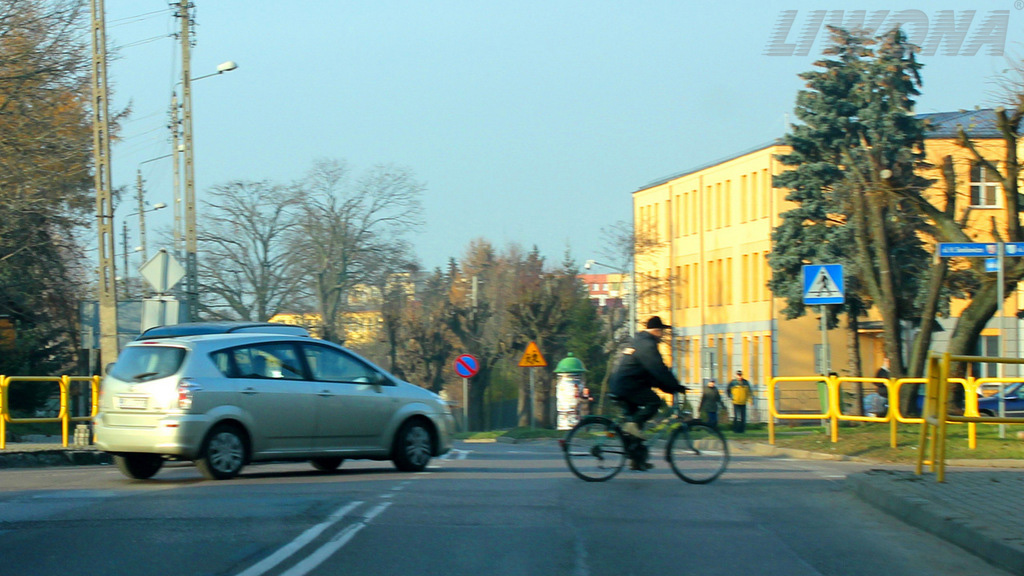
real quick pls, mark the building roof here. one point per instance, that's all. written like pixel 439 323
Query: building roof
pixel 978 124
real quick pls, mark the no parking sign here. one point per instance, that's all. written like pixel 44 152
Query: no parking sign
pixel 467 366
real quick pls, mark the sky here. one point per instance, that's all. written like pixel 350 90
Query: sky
pixel 529 121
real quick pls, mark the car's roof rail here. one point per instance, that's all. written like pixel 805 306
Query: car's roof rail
pixel 224 327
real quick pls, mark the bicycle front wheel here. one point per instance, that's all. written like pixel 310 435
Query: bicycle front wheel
pixel 595 449
pixel 697 453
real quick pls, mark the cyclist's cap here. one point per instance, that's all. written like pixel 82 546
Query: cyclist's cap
pixel 655 322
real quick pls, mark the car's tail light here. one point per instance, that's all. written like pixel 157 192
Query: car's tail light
pixel 186 393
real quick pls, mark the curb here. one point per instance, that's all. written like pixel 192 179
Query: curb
pixel 60 457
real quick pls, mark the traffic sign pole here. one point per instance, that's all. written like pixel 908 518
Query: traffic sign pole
pixel 466 365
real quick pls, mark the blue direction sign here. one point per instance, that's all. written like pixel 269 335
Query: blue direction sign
pixel 967 249
pixel 1013 249
pixel 823 284
pixel 466 366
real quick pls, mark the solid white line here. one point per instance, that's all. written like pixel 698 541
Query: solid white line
pixel 293 546
pixel 324 552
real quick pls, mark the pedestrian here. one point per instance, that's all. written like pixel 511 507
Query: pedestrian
pixel 883 370
pixel 738 391
pixel 711 405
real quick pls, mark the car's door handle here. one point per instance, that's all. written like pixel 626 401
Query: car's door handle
pixel 324 393
pixel 249 390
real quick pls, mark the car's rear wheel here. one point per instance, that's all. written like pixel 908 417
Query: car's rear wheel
pixel 139 466
pixel 326 464
pixel 223 454
pixel 414 445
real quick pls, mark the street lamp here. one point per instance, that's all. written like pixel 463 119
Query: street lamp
pixel 632 289
pixel 142 206
pixel 188 154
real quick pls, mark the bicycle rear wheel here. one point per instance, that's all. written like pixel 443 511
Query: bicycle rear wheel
pixel 697 453
pixel 595 449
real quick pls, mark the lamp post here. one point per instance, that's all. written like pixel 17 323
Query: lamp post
pixel 188 154
pixel 142 206
pixel 632 289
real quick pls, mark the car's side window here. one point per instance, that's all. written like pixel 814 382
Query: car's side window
pixel 330 365
pixel 278 361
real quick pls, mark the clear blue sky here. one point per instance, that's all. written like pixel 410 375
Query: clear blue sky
pixel 529 121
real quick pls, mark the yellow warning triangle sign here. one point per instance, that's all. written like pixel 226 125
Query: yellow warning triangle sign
pixel 532 358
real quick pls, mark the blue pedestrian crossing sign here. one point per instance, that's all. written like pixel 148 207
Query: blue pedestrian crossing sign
pixel 823 284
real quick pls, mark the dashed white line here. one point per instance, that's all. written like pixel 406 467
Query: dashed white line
pixel 325 551
pixel 292 547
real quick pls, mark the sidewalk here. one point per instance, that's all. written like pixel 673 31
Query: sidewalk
pixel 977 508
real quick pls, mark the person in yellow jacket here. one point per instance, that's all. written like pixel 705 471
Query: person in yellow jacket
pixel 738 391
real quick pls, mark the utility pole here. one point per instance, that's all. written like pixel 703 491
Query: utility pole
pixel 191 244
pixel 142 217
pixel 175 150
pixel 107 291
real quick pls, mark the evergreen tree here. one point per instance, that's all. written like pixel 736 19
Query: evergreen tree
pixel 854 157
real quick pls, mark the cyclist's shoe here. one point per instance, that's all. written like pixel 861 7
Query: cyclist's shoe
pixel 633 429
pixel 641 466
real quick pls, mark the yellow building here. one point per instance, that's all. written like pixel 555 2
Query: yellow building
pixel 706 268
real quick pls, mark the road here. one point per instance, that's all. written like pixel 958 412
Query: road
pixel 486 509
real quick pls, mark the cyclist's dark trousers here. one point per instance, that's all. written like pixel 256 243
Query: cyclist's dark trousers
pixel 641 405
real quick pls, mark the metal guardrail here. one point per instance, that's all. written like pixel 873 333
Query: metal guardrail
pixel 832 407
pixel 936 408
pixel 63 415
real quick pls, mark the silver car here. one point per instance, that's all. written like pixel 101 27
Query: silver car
pixel 226 394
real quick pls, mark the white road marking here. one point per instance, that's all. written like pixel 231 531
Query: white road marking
pixel 325 551
pixel 292 547
pixel 456 454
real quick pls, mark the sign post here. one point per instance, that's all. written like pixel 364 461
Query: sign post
pixel 532 359
pixel 162 272
pixel 466 366
pixel 823 284
pixel 988 249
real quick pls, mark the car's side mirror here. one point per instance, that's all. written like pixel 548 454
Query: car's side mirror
pixel 107 368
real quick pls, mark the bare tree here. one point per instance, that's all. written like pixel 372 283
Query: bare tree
pixel 248 270
pixel 346 227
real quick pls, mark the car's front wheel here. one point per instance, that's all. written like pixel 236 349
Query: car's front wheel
pixel 414 445
pixel 139 466
pixel 223 453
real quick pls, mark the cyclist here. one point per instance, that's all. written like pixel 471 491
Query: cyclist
pixel 640 370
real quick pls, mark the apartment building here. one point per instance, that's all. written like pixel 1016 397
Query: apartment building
pixel 708 271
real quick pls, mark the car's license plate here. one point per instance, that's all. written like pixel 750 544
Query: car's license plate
pixel 132 402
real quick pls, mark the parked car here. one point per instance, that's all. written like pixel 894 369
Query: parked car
pixel 1013 400
pixel 226 394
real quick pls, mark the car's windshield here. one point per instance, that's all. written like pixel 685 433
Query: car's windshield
pixel 141 363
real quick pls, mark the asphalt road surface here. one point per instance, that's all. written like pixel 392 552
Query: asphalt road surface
pixel 483 510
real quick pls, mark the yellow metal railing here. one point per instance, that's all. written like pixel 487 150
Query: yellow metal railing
pixel 833 410
pixel 936 409
pixel 63 415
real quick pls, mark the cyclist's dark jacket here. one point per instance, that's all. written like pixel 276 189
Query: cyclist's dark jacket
pixel 642 368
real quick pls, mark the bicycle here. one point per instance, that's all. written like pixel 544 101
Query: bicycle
pixel 596 448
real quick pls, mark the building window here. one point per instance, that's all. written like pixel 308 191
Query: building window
pixel 984 187
pixel 987 346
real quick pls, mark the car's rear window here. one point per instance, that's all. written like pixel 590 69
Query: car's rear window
pixel 141 363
